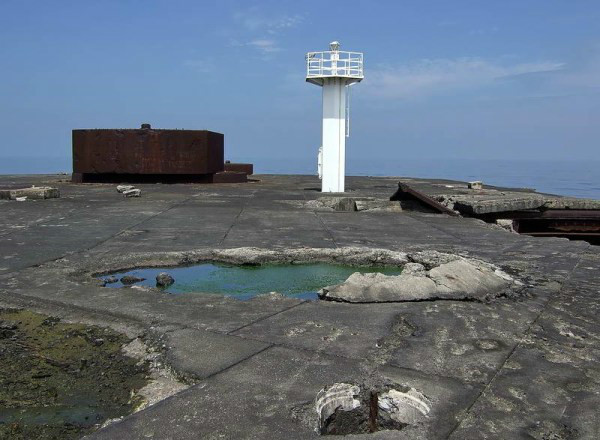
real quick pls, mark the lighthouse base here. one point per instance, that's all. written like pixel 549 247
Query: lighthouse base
pixel 334 135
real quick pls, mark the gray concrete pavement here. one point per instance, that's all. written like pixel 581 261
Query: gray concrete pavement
pixel 525 367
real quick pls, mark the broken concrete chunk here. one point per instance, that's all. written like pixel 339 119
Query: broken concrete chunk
pixel 33 193
pixel 408 407
pixel 21 199
pixel 506 224
pixel 131 279
pixel 431 259
pixel 344 204
pixel 475 185
pixel 376 287
pixel 476 205
pixel 163 279
pixel 378 205
pixel 458 279
pixel 123 188
pixel 132 193
pixel 414 269
pixel 464 278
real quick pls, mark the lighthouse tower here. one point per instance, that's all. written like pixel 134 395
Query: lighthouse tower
pixel 334 70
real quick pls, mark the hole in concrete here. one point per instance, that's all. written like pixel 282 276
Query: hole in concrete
pixel 246 281
pixel 347 409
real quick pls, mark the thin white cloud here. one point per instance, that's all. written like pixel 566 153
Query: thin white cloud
pixel 434 76
pixel 264 45
pixel 256 21
pixel 261 31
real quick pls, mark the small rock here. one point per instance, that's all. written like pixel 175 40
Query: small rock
pixel 163 279
pixel 7 325
pixel 506 224
pixel 131 279
pixel 414 269
pixel 345 204
pixel 133 193
pixel 123 188
pixel 51 321
pixel 111 280
pixel 21 199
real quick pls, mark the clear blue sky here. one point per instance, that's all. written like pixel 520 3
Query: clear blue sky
pixel 451 79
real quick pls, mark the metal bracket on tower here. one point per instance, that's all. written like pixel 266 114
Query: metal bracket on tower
pixel 348 110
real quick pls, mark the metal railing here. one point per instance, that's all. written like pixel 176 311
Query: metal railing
pixel 334 63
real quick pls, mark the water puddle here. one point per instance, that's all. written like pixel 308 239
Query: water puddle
pixel 244 282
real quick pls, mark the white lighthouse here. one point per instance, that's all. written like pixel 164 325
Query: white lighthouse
pixel 335 71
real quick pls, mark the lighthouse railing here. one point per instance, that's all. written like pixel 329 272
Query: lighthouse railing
pixel 334 63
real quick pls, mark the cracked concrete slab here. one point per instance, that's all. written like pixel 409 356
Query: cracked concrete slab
pixel 517 366
pixel 198 354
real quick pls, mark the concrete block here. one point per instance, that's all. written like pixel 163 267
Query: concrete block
pixel 33 193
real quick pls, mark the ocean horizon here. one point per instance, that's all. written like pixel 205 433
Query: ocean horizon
pixel 576 178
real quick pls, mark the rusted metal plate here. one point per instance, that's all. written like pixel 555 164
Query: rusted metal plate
pixel 147 151
pixel 572 214
pixel 406 192
pixel 247 168
pixel 229 177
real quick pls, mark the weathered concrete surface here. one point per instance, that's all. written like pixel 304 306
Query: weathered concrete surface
pixel 521 366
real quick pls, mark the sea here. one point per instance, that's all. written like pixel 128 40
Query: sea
pixel 575 178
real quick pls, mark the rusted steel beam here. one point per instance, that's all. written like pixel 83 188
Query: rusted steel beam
pixel 571 214
pixel 405 192
pixel 562 234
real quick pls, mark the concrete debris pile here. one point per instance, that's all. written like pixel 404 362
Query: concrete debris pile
pixel 129 191
pixel 460 279
pixel 529 212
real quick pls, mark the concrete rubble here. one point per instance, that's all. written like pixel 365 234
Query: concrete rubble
pixel 33 193
pixel 122 188
pixel 458 280
pixel 461 198
pixel 132 192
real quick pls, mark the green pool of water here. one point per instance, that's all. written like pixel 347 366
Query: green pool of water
pixel 244 282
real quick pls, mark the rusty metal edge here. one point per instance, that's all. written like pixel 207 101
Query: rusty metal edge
pixel 404 190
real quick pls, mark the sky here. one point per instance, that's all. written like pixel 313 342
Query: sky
pixel 443 79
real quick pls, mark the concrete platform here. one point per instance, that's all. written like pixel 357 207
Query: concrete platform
pixel 518 367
